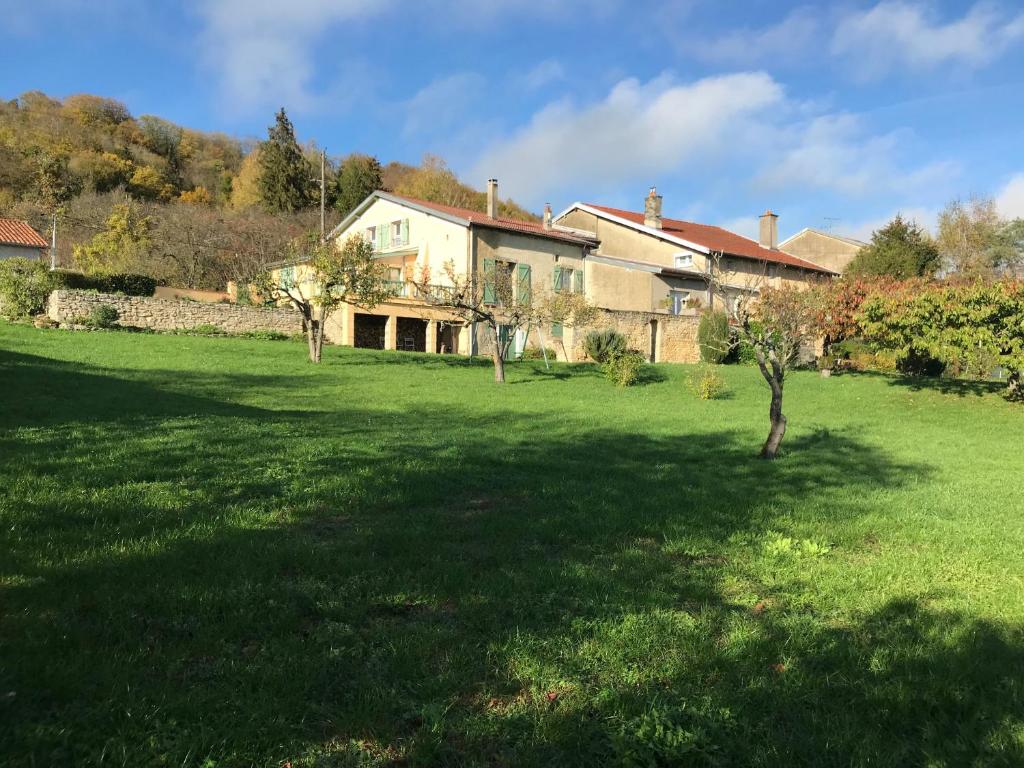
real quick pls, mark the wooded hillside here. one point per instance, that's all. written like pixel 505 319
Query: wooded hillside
pixel 191 208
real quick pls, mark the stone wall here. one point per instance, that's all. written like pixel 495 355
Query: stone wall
pixel 168 315
pixel 675 336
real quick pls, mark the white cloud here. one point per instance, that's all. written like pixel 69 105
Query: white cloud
pixel 836 152
pixel 1010 199
pixel 545 73
pixel 896 33
pixel 262 49
pixel 638 131
pixel 437 106
pixel 784 41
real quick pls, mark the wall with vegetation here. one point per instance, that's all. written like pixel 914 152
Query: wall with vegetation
pixel 169 315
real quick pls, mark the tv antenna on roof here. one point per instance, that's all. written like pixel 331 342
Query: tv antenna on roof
pixel 829 222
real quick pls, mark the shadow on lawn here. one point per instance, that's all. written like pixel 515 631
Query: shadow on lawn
pixel 255 585
pixel 942 384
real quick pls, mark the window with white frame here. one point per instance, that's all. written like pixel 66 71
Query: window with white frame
pixel 684 260
pixel 396 233
pixel 371 235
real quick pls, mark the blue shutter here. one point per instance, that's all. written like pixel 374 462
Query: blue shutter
pixel 488 281
pixel 556 330
pixel 558 278
pixel 578 275
pixel 405 231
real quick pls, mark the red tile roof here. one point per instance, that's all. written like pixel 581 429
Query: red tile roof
pixel 510 225
pixel 716 239
pixel 17 232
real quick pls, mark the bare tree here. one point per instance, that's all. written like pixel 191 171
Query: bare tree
pixel 332 277
pixel 502 298
pixel 776 323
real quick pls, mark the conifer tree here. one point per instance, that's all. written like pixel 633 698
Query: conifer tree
pixel 285 175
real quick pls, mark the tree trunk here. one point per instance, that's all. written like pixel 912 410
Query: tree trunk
pixel 1014 387
pixel 498 357
pixel 315 340
pixel 778 423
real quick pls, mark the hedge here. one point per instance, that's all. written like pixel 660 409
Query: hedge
pixel 127 283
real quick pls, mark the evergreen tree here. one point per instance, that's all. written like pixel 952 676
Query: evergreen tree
pixel 285 176
pixel 358 176
pixel 900 249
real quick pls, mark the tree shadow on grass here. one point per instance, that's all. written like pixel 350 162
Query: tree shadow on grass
pixel 942 384
pixel 252 585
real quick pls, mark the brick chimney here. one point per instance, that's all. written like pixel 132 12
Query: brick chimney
pixel 769 231
pixel 652 209
pixel 547 216
pixel 492 198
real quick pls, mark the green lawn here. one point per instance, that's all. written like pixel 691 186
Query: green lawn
pixel 213 553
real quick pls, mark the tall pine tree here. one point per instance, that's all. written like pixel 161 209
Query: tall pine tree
pixel 285 182
pixel 358 176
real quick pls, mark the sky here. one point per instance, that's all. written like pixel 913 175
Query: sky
pixel 834 115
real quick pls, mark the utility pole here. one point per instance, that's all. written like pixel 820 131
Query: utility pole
pixel 53 244
pixel 323 194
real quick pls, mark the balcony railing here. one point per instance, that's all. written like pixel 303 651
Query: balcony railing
pixel 402 289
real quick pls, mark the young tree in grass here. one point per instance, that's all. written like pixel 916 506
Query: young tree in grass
pixel 776 323
pixel 337 275
pixel 501 296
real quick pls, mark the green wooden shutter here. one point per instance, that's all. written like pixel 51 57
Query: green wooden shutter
pixel 556 330
pixel 405 231
pixel 578 276
pixel 558 278
pixel 525 289
pixel 488 281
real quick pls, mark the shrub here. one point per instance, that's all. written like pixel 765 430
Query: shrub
pixel 601 346
pixel 265 335
pixel 204 329
pixel 24 286
pixel 102 316
pixel 713 337
pixel 535 353
pixel 623 369
pixel 705 383
pixel 128 283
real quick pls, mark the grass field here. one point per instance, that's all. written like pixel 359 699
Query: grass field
pixel 213 553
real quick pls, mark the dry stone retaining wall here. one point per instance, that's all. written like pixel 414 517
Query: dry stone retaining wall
pixel 168 315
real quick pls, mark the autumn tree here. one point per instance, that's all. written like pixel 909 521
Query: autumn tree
pixel 970 237
pixel 502 298
pixel 285 179
pixel 348 274
pixel 358 177
pixel 124 245
pixel 900 249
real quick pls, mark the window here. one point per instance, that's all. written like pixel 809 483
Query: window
pixel 396 233
pixel 566 279
pixel 371 235
pixel 678 301
pixel 684 260
pixel 556 330
pixel 287 277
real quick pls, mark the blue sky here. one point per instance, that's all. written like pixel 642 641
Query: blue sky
pixel 834 114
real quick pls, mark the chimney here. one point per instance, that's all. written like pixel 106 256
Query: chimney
pixel 492 198
pixel 547 215
pixel 769 231
pixel 652 209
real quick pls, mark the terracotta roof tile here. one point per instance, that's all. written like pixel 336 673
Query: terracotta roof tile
pixel 17 232
pixel 510 225
pixel 716 239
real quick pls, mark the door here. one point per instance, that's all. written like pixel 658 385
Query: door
pixel 654 341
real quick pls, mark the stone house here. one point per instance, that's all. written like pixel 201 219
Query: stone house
pixel 647 275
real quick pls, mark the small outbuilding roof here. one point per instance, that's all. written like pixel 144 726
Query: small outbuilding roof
pixel 18 232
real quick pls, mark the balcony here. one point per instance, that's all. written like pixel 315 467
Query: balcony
pixel 402 289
